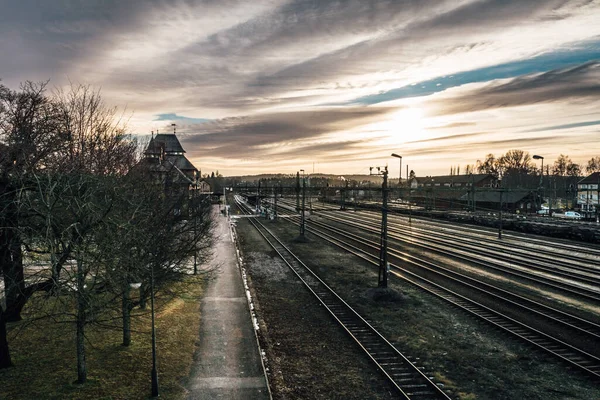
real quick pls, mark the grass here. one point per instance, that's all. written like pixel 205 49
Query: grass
pixel 44 355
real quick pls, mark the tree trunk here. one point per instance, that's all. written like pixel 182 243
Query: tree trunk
pixel 126 307
pixel 81 317
pixel 11 260
pixel 5 360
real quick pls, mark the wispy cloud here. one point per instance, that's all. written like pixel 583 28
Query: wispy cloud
pixel 180 118
pixel 293 80
pixel 569 84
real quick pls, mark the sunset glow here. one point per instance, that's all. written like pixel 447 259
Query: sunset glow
pixel 274 86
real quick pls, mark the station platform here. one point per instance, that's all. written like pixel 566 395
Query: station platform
pixel 227 364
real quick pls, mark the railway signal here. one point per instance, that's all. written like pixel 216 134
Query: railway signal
pixel 383 263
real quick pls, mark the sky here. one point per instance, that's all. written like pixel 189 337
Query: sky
pixel 276 86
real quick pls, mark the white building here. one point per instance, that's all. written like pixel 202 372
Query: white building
pixel 588 190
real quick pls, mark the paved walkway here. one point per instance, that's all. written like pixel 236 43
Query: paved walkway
pixel 227 364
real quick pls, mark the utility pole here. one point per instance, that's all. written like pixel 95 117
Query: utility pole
pixel 267 199
pixel 310 196
pixel 275 202
pixel 597 206
pixel 258 198
pixel 297 191
pixel 500 226
pixel 383 263
pixel 408 197
pixel 302 237
pixel 343 197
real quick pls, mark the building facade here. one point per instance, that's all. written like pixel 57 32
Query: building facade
pixel 165 164
pixel 588 194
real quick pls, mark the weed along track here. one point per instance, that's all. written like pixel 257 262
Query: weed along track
pixel 407 378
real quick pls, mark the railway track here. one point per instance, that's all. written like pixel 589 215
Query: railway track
pixel 437 225
pixel 409 380
pixel 572 355
pixel 479 241
pixel 582 283
pixel 557 243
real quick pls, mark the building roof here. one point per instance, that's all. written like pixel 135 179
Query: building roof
pixel 593 178
pixel 493 196
pixel 181 162
pixel 164 153
pixel 475 178
pixel 166 141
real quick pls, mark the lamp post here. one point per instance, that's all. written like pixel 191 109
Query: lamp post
pixel 541 185
pixel 154 372
pixel 500 222
pixel 302 217
pixel 399 173
pixel 194 210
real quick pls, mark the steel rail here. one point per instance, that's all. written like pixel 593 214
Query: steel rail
pixel 564 351
pixel 521 253
pixel 408 379
pixel 577 290
pixel 579 324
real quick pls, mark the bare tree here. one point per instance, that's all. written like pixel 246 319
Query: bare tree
pixel 517 161
pixel 147 232
pixel 574 170
pixel 489 166
pixel 560 165
pixel 97 142
pixel 37 134
pixel 28 136
pixel 593 165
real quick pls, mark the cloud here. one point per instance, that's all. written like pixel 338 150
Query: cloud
pixel 543 63
pixel 452 125
pixel 565 126
pixel 281 133
pixel 180 118
pixel 459 137
pixel 294 79
pixel 569 84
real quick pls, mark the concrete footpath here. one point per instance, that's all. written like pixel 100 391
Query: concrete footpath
pixel 227 364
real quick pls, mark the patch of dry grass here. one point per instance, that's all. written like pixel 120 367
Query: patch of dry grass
pixel 44 355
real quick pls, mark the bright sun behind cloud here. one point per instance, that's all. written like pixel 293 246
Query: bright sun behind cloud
pixel 406 124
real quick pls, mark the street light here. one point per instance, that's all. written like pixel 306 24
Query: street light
pixel 400 173
pixel 302 237
pixel 154 372
pixel 536 157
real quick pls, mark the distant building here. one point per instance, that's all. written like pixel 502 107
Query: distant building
pixel 164 154
pixel 588 193
pixel 524 201
pixel 448 191
pixel 454 181
pixel 165 163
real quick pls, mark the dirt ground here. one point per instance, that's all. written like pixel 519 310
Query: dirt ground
pixel 310 357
